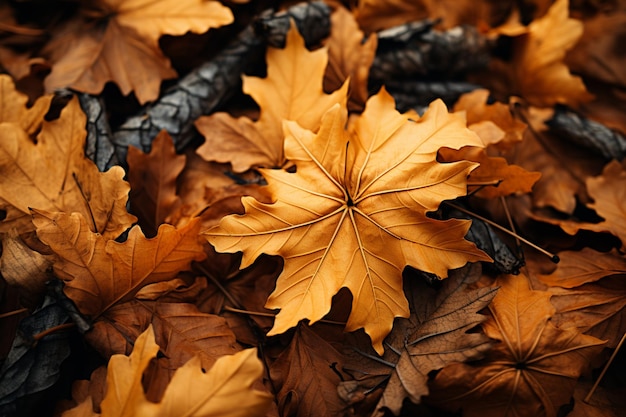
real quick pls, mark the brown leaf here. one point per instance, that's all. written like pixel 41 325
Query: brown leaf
pixel 531 372
pixel 52 174
pixel 120 44
pixel 350 55
pixel 292 90
pixel 152 179
pixel 100 273
pixel 304 377
pixel 13 107
pixel 585 266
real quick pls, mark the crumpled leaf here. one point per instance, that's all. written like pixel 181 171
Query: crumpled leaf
pixel 152 179
pixel 223 390
pixel 87 54
pixel 53 174
pixel 350 54
pixel 100 273
pixel 435 335
pixel 292 90
pixel 354 214
pixel 304 377
pixel 531 372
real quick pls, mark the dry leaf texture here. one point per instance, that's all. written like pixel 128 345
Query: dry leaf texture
pixel 354 214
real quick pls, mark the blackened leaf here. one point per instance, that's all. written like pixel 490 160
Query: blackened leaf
pixel 33 365
pixel 98 145
pixel 594 136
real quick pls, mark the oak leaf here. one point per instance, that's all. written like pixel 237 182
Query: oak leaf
pixel 354 214
pixel 86 55
pixel 531 372
pixel 13 107
pixel 53 174
pixel 100 273
pixel 292 90
pixel 152 179
pixel 225 388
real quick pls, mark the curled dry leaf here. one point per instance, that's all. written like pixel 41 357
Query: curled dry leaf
pixel 86 55
pixel 191 392
pixel 100 273
pixel 52 173
pixel 292 90
pixel 531 372
pixel 354 214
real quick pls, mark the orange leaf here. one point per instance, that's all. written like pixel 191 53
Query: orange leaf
pixel 100 273
pixel 292 90
pixel 52 174
pixel 152 178
pixel 354 214
pixel 531 372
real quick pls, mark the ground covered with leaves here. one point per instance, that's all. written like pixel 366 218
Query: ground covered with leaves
pixel 357 208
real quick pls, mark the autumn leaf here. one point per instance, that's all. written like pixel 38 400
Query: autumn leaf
pixel 191 392
pixel 537 69
pixel 152 178
pixel 589 293
pixel 436 334
pixel 100 273
pixel 120 43
pixel 13 107
pixel 354 214
pixel 292 90
pixel 350 55
pixel 531 372
pixel 52 174
pixel 304 376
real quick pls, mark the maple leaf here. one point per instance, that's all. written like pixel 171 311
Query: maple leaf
pixel 589 294
pixel 292 90
pixel 349 57
pixel 13 107
pixel 531 372
pixel 537 70
pixel 53 174
pixel 87 55
pixel 191 392
pixel 305 378
pixel 435 335
pixel 152 179
pixel 354 214
pixel 99 272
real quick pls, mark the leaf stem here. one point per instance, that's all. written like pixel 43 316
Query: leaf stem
pixel 259 313
pixel 60 327
pixel 13 313
pixel 553 257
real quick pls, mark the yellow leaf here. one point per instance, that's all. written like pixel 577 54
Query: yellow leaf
pixel 225 390
pixel 292 90
pixel 354 214
pixel 53 174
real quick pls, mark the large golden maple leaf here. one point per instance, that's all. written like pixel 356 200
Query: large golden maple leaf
pixel 354 214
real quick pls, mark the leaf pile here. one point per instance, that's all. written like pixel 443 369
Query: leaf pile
pixel 355 223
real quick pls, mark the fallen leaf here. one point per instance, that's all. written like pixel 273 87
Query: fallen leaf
pixel 589 293
pixel 354 214
pixel 304 376
pixel 192 392
pixel 52 174
pixel 292 90
pixel 152 179
pixel 537 69
pixel 13 107
pixel 88 53
pixel 350 55
pixel 100 273
pixel 531 372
